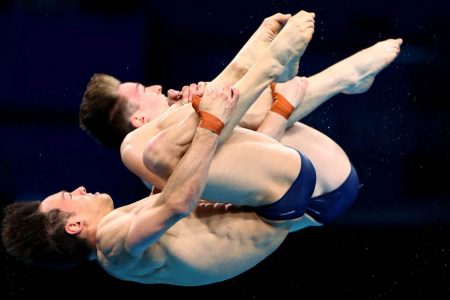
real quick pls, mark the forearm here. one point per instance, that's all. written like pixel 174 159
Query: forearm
pixel 166 149
pixel 179 197
pixel 185 185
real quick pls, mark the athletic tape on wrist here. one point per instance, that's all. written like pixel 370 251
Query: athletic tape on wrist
pixel 207 120
pixel 280 105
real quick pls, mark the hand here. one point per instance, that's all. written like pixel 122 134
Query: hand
pixel 173 96
pixel 187 92
pixel 219 102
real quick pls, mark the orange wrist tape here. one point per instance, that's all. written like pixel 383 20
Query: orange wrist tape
pixel 280 105
pixel 210 122
pixel 207 120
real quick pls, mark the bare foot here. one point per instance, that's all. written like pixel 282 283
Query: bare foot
pixel 293 90
pixel 290 44
pixel 361 68
pixel 260 40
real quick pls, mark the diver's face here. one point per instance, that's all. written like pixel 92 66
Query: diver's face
pixel 151 102
pixel 80 202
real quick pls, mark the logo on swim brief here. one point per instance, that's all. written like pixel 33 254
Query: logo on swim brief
pixel 287 213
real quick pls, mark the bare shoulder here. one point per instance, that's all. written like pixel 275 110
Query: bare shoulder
pixel 135 141
pixel 111 234
pixel 114 227
pixel 112 253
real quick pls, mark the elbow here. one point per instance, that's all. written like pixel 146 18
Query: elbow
pixel 181 210
pixel 183 202
pixel 183 213
pixel 149 157
pixel 157 161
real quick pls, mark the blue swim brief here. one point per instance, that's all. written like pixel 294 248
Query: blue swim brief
pixel 294 203
pixel 297 201
pixel 327 207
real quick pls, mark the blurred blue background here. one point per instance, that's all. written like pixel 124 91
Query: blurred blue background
pixel 394 242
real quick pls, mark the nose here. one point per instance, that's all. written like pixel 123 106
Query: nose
pixel 156 88
pixel 79 191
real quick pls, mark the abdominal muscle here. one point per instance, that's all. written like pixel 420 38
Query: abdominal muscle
pixel 212 244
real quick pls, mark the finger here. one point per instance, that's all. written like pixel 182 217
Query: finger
pixel 185 94
pixel 192 91
pixel 173 94
pixel 201 88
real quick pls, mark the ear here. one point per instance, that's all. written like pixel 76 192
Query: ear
pixel 137 119
pixel 74 226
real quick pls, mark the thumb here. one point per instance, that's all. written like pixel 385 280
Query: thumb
pixel 173 93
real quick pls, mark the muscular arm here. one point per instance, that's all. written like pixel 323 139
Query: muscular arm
pixel 166 149
pixel 179 197
pixel 187 182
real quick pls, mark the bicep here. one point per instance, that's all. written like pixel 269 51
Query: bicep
pixel 162 154
pixel 132 158
pixel 165 150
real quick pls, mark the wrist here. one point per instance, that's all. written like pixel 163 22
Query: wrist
pixel 207 120
pixel 206 136
pixel 210 122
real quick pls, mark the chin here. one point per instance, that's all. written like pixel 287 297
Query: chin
pixel 108 201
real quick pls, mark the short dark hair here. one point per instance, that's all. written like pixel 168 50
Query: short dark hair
pixel 104 113
pixel 39 238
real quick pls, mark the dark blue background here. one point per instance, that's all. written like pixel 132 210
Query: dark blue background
pixel 394 242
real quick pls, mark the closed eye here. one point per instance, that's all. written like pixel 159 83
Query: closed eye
pixel 64 193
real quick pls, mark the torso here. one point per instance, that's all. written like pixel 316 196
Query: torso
pixel 212 244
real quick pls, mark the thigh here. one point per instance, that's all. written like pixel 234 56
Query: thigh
pixel 251 169
pixel 329 159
